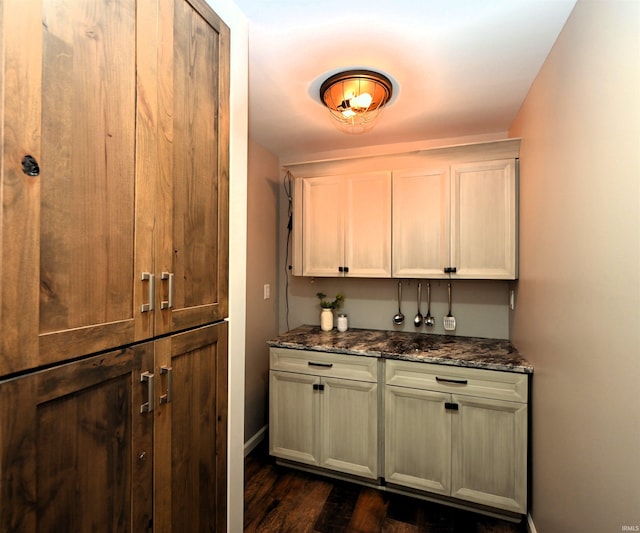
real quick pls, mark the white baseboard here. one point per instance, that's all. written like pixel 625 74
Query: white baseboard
pixel 530 527
pixel 255 440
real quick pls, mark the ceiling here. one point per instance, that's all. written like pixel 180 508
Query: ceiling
pixel 460 68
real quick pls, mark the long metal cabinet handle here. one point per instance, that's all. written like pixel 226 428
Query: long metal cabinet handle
pixel 148 276
pixel 166 398
pixel 148 377
pixel 168 303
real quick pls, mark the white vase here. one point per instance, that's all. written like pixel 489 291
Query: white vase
pixel 326 319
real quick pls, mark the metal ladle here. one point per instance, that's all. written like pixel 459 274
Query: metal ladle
pixel 428 319
pixel 417 321
pixel 399 317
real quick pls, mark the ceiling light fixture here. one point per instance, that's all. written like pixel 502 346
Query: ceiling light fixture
pixel 356 98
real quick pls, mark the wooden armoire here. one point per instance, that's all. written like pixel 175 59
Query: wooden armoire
pixel 113 265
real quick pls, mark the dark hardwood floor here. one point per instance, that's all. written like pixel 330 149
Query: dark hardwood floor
pixel 280 499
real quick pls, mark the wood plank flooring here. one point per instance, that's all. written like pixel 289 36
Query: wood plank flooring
pixel 280 499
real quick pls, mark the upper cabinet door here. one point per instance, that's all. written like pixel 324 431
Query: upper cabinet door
pixel 484 220
pixel 421 222
pixel 368 225
pixel 69 123
pixel 192 199
pixel 322 226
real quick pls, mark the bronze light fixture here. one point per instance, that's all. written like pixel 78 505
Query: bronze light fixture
pixel 355 98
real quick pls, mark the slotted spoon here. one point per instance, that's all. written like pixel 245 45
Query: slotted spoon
pixel 449 320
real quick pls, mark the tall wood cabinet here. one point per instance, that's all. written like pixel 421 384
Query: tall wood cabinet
pixel 113 232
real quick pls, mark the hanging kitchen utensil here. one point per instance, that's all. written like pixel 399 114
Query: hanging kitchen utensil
pixel 428 319
pixel 417 321
pixel 399 317
pixel 449 320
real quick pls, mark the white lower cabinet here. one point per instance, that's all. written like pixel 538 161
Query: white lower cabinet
pixel 323 410
pixel 457 432
pixel 452 432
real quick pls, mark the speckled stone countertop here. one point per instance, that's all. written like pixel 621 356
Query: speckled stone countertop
pixel 474 352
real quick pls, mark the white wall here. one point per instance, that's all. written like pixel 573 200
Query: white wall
pixel 262 264
pixel 578 308
pixel 236 21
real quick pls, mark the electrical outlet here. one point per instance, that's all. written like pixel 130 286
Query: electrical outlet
pixel 267 291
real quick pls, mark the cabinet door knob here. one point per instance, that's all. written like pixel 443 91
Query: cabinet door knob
pixel 30 166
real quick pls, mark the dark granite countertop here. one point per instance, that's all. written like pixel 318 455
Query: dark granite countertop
pixel 473 352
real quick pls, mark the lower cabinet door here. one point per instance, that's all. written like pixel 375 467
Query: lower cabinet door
pixel 418 439
pixel 293 416
pixel 190 431
pixel 349 427
pixel 489 454
pixel 76 450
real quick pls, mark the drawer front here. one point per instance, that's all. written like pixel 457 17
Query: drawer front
pixel 459 380
pixel 335 365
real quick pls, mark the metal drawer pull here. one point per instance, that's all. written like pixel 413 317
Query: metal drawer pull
pixel 448 380
pixel 166 398
pixel 322 365
pixel 148 276
pixel 168 303
pixel 147 406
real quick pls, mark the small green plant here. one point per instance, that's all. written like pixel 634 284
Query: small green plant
pixel 326 304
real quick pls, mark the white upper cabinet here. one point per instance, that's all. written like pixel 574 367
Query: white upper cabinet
pixel 484 220
pixel 458 221
pixel 440 213
pixel 346 225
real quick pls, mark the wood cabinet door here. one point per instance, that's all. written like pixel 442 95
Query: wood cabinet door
pixel 192 217
pixel 190 432
pixel 484 220
pixel 294 412
pixel 421 210
pixel 417 439
pixel 76 452
pixel 68 242
pixel 368 225
pixel 323 226
pixel 489 463
pixel 349 427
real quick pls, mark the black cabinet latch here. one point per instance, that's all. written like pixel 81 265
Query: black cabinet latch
pixel 450 270
pixel 451 406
